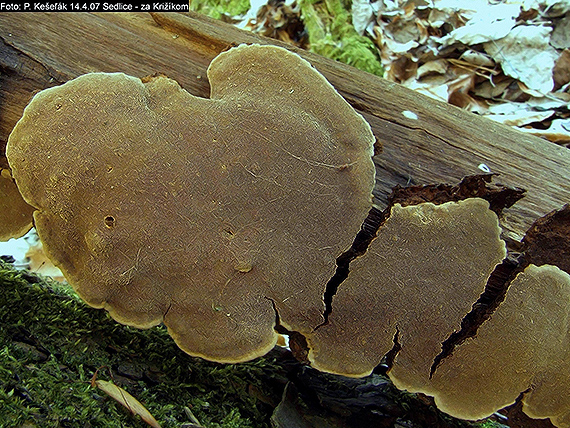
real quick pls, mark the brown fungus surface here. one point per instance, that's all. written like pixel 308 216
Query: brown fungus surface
pixel 415 285
pixel 207 214
pixel 222 217
pixel 427 266
pixel 523 346
pixel 15 213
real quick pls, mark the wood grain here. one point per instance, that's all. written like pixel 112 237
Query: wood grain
pixel 442 145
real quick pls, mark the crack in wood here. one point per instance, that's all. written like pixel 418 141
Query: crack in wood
pixel 359 246
pixel 498 196
pixel 12 61
pixel 546 234
pixel 495 291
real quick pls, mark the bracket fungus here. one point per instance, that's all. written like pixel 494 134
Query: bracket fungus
pixel 232 217
pixel 15 214
pixel 522 348
pixel 427 265
pixel 215 216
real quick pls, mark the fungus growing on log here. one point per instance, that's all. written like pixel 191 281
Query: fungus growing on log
pixel 523 346
pixel 15 214
pixel 215 216
pixel 428 265
pixel 233 217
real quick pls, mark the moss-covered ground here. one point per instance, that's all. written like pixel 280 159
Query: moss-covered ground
pixel 51 344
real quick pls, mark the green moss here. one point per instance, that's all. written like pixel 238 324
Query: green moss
pixel 328 24
pixel 217 8
pixel 490 424
pixel 332 34
pixel 51 344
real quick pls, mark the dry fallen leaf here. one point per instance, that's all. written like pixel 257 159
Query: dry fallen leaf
pixel 362 15
pixel 127 400
pixel 558 132
pixel 489 22
pixel 526 55
pixel 560 38
pixel 516 114
pixel 561 71
pixel 515 51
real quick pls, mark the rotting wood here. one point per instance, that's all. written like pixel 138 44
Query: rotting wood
pixel 442 145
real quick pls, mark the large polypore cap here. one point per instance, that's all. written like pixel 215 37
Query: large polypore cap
pixel 207 214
